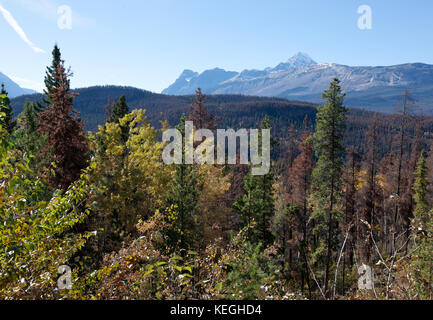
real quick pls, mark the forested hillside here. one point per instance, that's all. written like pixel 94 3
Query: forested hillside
pixel 345 211
pixel 92 102
pixel 234 111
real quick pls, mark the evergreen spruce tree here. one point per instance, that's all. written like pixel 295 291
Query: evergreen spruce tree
pixel 326 193
pixel 28 116
pixel 5 107
pixel 257 204
pixel 27 138
pixel 420 188
pixel 120 110
pixel 182 200
pixel 422 258
pixel 248 205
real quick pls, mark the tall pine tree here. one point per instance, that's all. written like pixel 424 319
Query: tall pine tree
pixel 422 258
pixel 257 204
pixel 182 200
pixel 327 175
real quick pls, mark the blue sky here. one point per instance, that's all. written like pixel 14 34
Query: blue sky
pixel 148 43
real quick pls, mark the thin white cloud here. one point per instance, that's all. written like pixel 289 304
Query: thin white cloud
pixel 14 24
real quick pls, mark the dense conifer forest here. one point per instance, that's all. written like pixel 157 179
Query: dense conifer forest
pixel 88 209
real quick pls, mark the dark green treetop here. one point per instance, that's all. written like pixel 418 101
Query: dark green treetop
pixel 6 108
pixel 51 80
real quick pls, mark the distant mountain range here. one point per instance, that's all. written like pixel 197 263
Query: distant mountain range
pixel 13 89
pixel 301 78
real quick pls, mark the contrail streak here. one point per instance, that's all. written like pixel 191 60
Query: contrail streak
pixel 14 24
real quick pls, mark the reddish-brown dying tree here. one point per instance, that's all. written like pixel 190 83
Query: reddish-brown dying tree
pixel 199 114
pixel 299 178
pixel 66 142
pixel 404 111
pixel 292 143
pixel 299 174
pixel 369 202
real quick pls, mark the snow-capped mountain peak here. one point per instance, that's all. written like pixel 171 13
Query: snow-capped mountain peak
pixel 301 78
pixel 299 60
